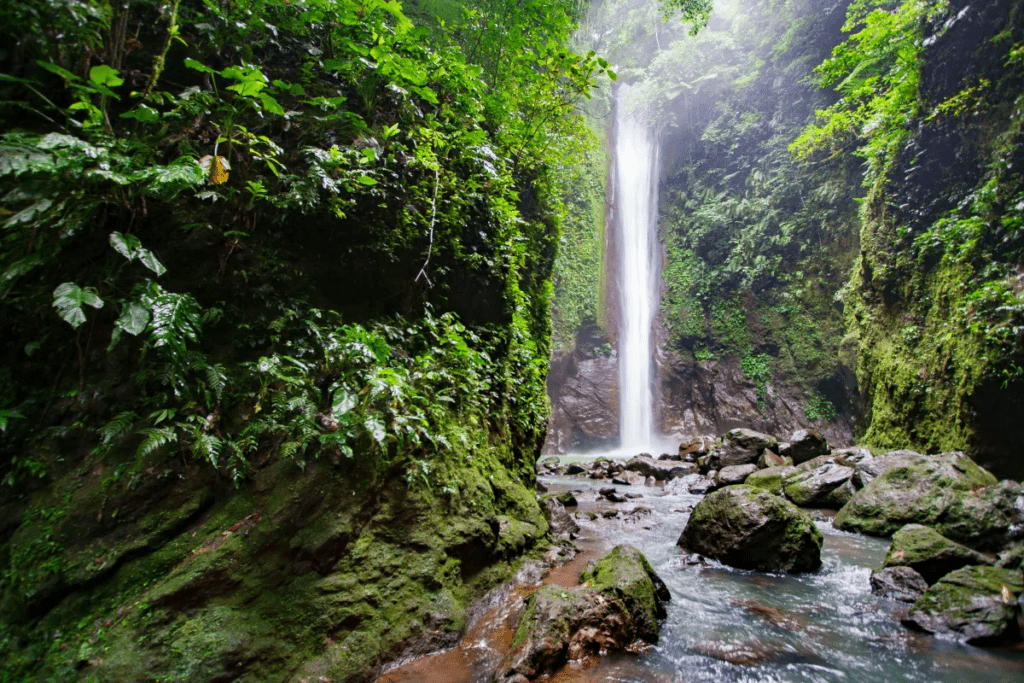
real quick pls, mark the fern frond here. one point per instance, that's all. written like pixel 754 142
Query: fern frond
pixel 118 427
pixel 176 320
pixel 207 446
pixel 156 438
pixel 217 379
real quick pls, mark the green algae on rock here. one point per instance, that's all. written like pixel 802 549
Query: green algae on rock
pixel 618 602
pixel 752 529
pixel 929 553
pixel 973 604
pixel 947 492
pixel 770 478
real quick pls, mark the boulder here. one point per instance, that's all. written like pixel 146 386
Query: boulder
pixel 771 459
pixel 734 474
pixel 811 488
pixel 947 492
pixel 752 529
pixel 740 447
pixel 898 583
pixel 561 524
pixel 689 451
pixel 973 604
pixel 618 602
pixel 841 496
pixel 806 444
pixel 872 467
pixel 576 468
pixel 662 470
pixel 1012 558
pixel 770 479
pixel 929 553
pixel 853 456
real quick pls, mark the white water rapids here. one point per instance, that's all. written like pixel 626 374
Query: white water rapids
pixel 636 162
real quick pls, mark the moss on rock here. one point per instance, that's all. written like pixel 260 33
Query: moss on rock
pixel 974 604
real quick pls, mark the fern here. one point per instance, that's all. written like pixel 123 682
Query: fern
pixel 156 438
pixel 118 427
pixel 207 446
pixel 176 320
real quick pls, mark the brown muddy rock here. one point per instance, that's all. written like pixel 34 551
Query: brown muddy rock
pixel 584 392
pixel 812 488
pixel 690 450
pixel 805 444
pixel 976 605
pixel 734 475
pixel 662 470
pixel 771 459
pixel 618 602
pixel 749 528
pixel 902 584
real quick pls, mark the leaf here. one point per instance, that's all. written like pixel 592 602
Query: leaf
pixel 69 298
pixel 150 261
pixel 176 320
pixel 217 167
pixel 118 427
pixel 376 428
pixel 271 105
pixel 366 180
pixel 53 68
pixel 134 318
pixel 125 245
pixel 199 66
pixel 142 114
pixel 105 76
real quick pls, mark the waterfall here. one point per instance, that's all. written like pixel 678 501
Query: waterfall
pixel 636 160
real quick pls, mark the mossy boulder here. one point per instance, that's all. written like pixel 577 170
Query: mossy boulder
pixel 769 458
pixel 973 604
pixel 947 492
pixel 618 602
pixel 898 583
pixel 812 488
pixel 750 528
pixel 870 468
pixel 770 479
pixel 929 553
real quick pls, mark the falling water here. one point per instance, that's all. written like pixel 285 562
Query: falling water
pixel 636 159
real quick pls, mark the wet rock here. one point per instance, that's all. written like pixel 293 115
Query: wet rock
pixel 841 496
pixel 633 496
pixel 770 479
pixel 929 553
pixel 567 499
pixel 689 451
pixel 812 488
pixel 539 485
pixel 752 529
pixel 806 444
pixel 772 615
pixel 650 481
pixel 576 468
pixel 681 485
pixel 974 604
pixel 1012 558
pixel 873 467
pixel 898 583
pixel 740 447
pixel 549 463
pixel 853 456
pixel 560 523
pixel 611 495
pixel 947 492
pixel 584 408
pixel 734 474
pixel 771 459
pixel 618 602
pixel 741 653
pixel 662 470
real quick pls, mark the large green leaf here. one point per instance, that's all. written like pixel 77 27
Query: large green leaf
pixel 69 298
pixel 134 318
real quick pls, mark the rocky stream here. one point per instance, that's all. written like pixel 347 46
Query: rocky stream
pixel 750 559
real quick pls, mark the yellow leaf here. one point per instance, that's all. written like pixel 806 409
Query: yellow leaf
pixel 217 167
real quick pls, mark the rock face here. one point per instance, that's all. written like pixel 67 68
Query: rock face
pixel 898 583
pixel 618 602
pixel 584 392
pixel 973 604
pixel 947 492
pixel 929 553
pixel 712 397
pixel 752 529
